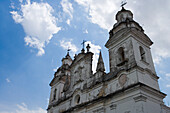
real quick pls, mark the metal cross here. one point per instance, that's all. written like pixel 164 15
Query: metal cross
pixel 123 3
pixel 83 43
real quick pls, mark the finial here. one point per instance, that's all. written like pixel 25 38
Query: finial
pixel 123 3
pixel 75 55
pixel 68 50
pixel 83 46
pixel 88 47
pixel 82 51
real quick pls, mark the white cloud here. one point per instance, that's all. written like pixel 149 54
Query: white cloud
pixel 168 85
pixel 86 31
pixel 68 9
pixel 68 21
pixel 100 12
pixel 38 23
pixel 24 109
pixel 167 74
pixel 20 1
pixel 12 5
pixel 65 44
pixel 16 17
pixel 7 80
pixel 94 49
pixel 55 69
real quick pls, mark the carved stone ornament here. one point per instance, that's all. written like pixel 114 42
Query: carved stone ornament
pixel 122 79
pixel 140 98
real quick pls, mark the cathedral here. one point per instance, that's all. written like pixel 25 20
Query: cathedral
pixel 131 85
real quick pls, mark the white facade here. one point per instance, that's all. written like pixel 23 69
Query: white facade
pixel 131 86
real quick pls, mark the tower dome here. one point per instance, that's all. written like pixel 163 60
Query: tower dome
pixel 67 59
pixel 124 15
pixel 124 20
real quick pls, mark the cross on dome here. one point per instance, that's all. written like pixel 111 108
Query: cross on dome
pixel 83 46
pixel 123 3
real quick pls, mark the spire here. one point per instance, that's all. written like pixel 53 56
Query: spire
pixel 100 64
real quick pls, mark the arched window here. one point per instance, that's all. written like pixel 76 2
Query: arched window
pixel 121 54
pixel 77 99
pixel 142 54
pixel 54 94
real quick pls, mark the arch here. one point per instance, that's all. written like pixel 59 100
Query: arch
pixel 121 54
pixel 142 53
pixel 77 99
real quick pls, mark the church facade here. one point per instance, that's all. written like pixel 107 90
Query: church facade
pixel 131 86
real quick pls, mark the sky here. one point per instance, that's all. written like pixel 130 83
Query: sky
pixel 35 36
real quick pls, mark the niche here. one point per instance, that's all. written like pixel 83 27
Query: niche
pixel 54 94
pixel 77 99
pixel 142 54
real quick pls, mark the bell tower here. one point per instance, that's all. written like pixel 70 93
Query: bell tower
pixel 129 49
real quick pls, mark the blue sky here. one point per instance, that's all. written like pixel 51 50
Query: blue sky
pixel 35 35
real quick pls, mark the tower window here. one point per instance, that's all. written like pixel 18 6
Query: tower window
pixel 121 60
pixel 142 54
pixel 121 54
pixel 54 94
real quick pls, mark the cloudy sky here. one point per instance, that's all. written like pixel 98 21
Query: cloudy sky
pixel 35 36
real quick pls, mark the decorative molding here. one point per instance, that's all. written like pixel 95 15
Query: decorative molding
pixel 140 98
pixel 100 110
